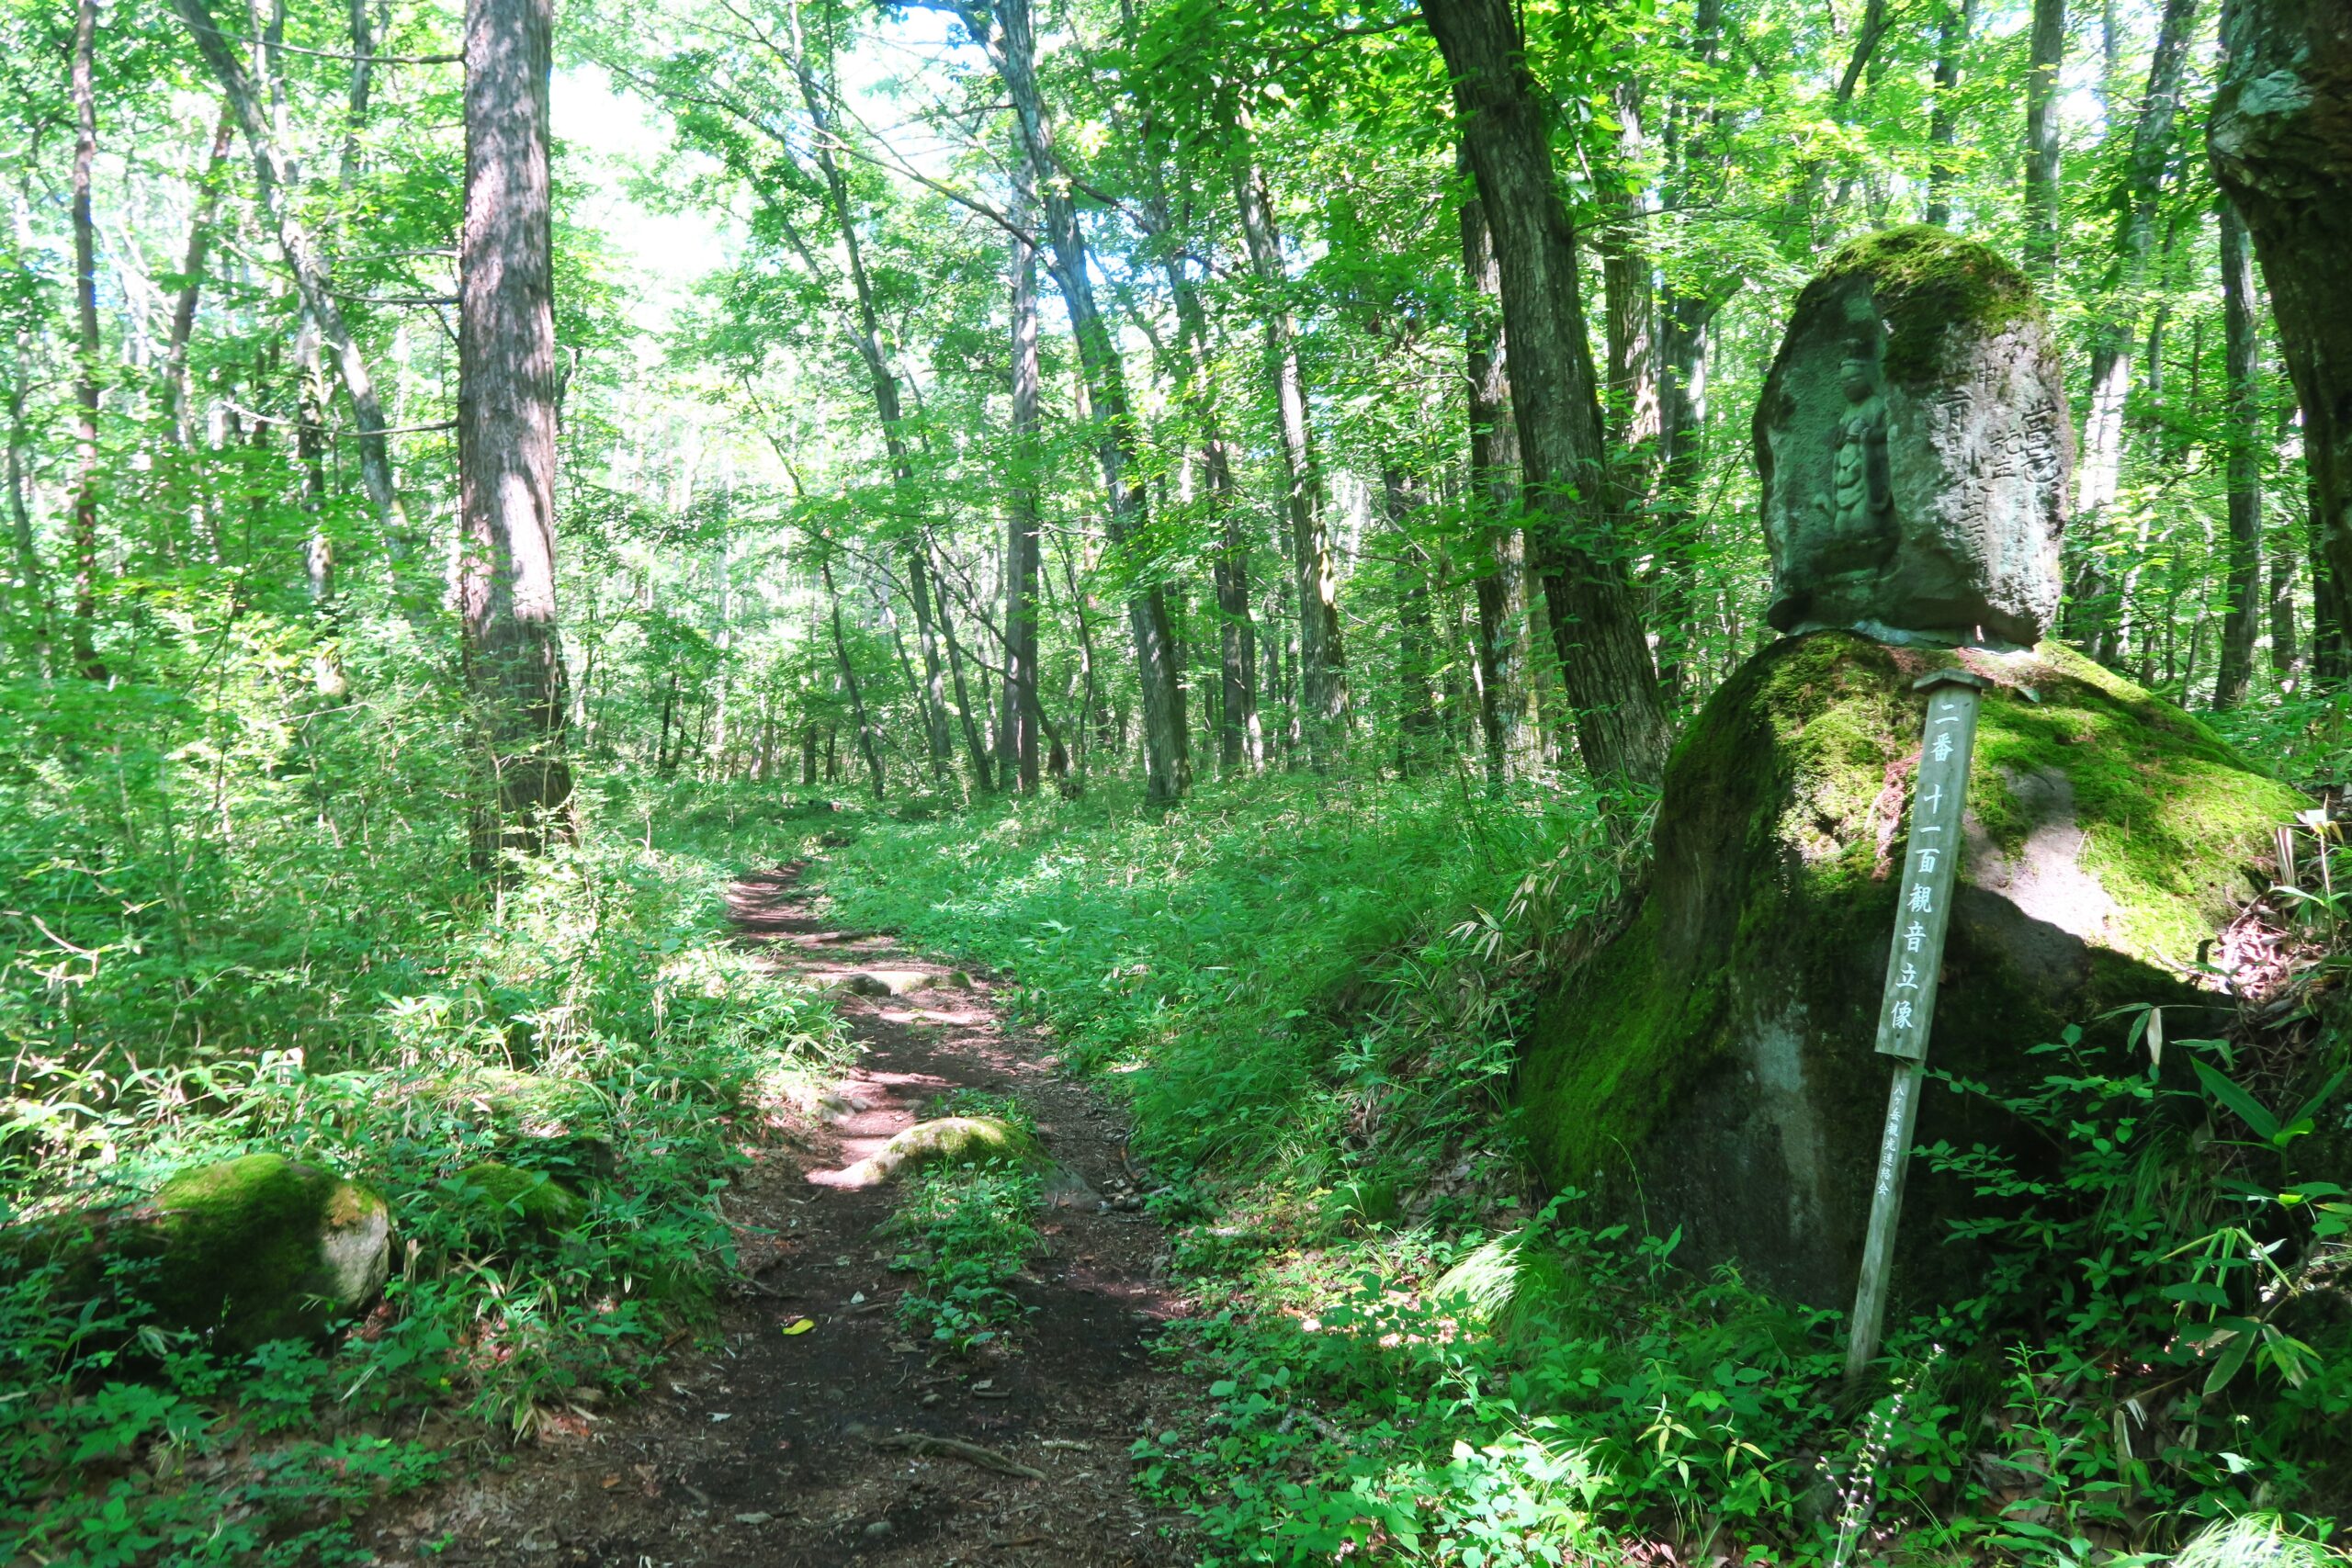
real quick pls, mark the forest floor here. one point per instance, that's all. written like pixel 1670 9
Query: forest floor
pixel 807 1450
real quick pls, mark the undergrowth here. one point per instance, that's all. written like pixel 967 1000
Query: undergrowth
pixel 1310 994
pixel 591 1022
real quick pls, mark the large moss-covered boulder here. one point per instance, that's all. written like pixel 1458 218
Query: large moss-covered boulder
pixel 507 1197
pixel 1713 1067
pixel 260 1247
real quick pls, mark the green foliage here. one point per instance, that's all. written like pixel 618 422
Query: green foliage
pixel 969 1229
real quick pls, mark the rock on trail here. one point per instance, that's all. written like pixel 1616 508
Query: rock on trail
pixel 848 1442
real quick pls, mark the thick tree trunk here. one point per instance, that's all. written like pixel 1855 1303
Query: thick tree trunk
pixel 1322 666
pixel 506 430
pixel 1016 747
pixel 1604 660
pixel 87 348
pixel 2243 420
pixel 2280 137
pixel 271 178
pixel 1166 766
pixel 2097 618
pixel 2046 60
pixel 1501 587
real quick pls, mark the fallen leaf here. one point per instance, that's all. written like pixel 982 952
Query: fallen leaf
pixel 753 1519
pixel 800 1326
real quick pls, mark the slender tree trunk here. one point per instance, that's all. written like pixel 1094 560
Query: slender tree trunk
pixel 2282 156
pixel 1952 31
pixel 1417 638
pixel 1501 584
pixel 1322 666
pixel 1167 768
pixel 932 694
pixel 506 430
pixel 87 348
pixel 1017 722
pixel 2243 420
pixel 866 742
pixel 199 248
pixel 2046 60
pixel 272 176
pixel 1604 660
pixel 2096 618
pixel 976 748
pixel 318 552
pixel 32 584
pixel 1633 395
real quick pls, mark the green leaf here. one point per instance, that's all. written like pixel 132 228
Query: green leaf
pixel 2248 1108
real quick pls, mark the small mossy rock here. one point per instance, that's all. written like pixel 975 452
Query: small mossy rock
pixel 261 1248
pixel 1712 1065
pixel 509 1195
pixel 883 982
pixel 1504 1288
pixel 949 1140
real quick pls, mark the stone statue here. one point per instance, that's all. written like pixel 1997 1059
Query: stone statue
pixel 1913 444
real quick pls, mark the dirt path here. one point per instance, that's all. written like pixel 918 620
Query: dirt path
pixel 791 1451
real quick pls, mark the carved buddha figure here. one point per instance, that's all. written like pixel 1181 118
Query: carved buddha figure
pixel 1856 515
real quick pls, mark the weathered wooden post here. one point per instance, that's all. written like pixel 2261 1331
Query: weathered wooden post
pixel 1914 966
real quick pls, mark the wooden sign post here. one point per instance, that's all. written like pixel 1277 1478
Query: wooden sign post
pixel 1922 911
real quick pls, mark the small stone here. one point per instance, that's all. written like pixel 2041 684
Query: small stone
pixel 878 1529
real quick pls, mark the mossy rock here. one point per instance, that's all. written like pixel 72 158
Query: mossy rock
pixel 883 982
pixel 949 1140
pixel 260 1247
pixel 1713 1067
pixel 508 1195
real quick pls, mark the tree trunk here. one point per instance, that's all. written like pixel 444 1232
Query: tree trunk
pixel 272 173
pixel 2243 420
pixel 2095 619
pixel 1322 667
pixel 2046 60
pixel 1632 399
pixel 2283 155
pixel 1605 661
pixel 1416 638
pixel 865 739
pixel 1501 586
pixel 318 552
pixel 87 349
pixel 1167 768
pixel 32 584
pixel 506 454
pixel 976 746
pixel 199 248
pixel 1016 747
pixel 1952 30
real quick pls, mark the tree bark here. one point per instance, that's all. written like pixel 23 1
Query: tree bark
pixel 2281 139
pixel 87 348
pixel 1632 395
pixel 1166 766
pixel 506 430
pixel 1017 719
pixel 1605 661
pixel 272 176
pixel 199 249
pixel 1322 666
pixel 1501 586
pixel 2243 420
pixel 865 746
pixel 2046 60
pixel 1416 640
pixel 1952 31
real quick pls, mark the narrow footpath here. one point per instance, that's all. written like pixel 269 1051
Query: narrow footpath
pixel 826 1446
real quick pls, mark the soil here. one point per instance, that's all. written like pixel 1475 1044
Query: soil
pixel 803 1450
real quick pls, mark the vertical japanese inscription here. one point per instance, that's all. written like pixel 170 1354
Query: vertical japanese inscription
pixel 1923 907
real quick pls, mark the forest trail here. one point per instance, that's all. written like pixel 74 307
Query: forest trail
pixel 795 1451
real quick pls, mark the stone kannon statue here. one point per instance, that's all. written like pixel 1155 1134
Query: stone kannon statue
pixel 1914 444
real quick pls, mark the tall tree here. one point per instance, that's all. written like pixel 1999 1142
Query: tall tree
pixel 1604 658
pixel 86 366
pixel 1952 31
pixel 1003 27
pixel 506 429
pixel 1501 588
pixel 2116 323
pixel 1016 747
pixel 2045 60
pixel 2280 140
pixel 2243 422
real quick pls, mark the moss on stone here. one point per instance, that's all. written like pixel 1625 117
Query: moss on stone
pixel 262 1246
pixel 948 1140
pixel 1925 281
pixel 1752 970
pixel 509 1193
